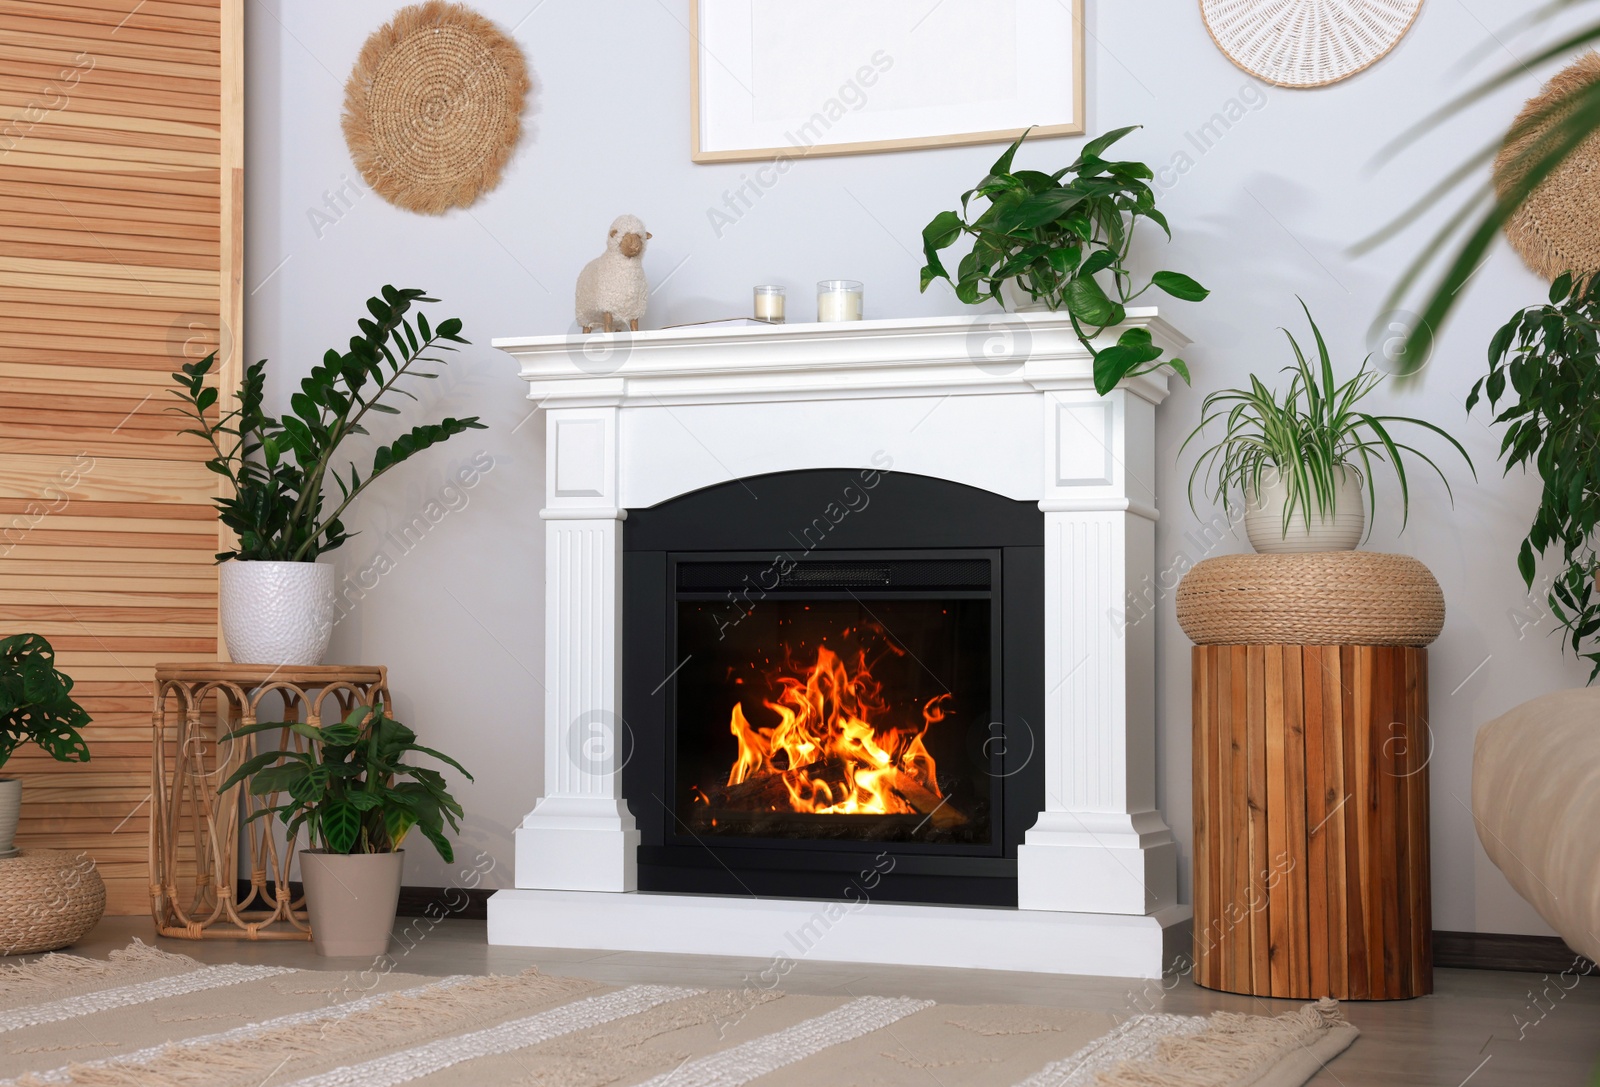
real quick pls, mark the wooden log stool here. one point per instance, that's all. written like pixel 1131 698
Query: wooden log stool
pixel 195 831
pixel 1311 749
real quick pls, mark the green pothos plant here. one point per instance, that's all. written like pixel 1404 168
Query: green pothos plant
pixel 1545 363
pixel 279 467
pixel 1064 239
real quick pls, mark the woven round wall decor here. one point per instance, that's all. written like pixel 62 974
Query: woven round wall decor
pixel 433 107
pixel 1307 43
pixel 1557 229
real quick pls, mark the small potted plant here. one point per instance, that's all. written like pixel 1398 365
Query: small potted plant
pixel 1062 240
pixel 277 601
pixel 357 800
pixel 36 706
pixel 1301 463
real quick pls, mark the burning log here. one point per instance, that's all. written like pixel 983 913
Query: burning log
pixel 928 803
pixel 825 756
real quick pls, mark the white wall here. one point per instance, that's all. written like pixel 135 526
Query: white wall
pixel 1267 212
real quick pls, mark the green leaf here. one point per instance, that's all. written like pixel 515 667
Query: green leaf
pixel 397 822
pixel 1002 165
pixel 1096 147
pixel 1098 261
pixel 1180 286
pixel 1037 210
pixel 1087 301
pixel 340 735
pixel 341 825
pixel 941 232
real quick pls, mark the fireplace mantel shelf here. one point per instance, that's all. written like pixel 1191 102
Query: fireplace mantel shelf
pixel 987 354
pixel 1003 403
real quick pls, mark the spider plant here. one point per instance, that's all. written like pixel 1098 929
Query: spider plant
pixel 1307 437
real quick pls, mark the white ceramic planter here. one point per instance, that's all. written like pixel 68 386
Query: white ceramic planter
pixel 351 900
pixel 10 806
pixel 1016 299
pixel 278 613
pixel 1339 531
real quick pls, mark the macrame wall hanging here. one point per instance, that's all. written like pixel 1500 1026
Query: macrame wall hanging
pixel 433 108
pixel 1307 43
pixel 1557 229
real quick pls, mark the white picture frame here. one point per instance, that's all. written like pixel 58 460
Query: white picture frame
pixel 773 79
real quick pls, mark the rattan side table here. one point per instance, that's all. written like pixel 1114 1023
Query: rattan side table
pixel 195 832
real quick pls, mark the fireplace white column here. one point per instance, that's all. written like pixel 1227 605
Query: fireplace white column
pixel 1100 845
pixel 580 835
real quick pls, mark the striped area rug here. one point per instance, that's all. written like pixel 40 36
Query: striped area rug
pixel 147 1018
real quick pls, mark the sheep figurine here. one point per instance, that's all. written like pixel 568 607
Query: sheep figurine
pixel 612 287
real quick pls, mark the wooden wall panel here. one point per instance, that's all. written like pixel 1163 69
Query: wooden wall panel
pixel 121 256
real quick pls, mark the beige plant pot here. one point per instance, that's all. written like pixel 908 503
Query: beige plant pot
pixel 351 900
pixel 10 807
pixel 1339 529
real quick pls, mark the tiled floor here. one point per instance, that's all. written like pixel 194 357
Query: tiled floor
pixel 1479 1027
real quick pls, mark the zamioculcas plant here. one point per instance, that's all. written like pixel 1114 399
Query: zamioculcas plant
pixel 280 468
pixel 1544 363
pixel 1063 239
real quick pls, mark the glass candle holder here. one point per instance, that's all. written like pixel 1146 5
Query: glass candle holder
pixel 770 304
pixel 839 300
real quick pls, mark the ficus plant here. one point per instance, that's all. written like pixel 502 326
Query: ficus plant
pixel 279 467
pixel 1545 364
pixel 348 785
pixel 1307 436
pixel 1063 239
pixel 36 704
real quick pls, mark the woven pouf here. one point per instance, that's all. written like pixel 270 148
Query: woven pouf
pixel 49 899
pixel 1319 598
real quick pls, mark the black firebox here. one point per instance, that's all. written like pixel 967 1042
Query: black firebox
pixel 833 672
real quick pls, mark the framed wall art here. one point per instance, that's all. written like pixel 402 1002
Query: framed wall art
pixel 792 78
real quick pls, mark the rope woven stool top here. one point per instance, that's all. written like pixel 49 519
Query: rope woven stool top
pixel 49 899
pixel 433 108
pixel 1307 43
pixel 1319 598
pixel 1557 229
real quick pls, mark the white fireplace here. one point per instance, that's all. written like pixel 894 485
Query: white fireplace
pixel 1005 404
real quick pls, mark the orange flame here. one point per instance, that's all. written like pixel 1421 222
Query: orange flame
pixel 830 757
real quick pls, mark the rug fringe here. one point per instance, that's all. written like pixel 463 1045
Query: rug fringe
pixel 399 1019
pixel 1231 1047
pixel 58 969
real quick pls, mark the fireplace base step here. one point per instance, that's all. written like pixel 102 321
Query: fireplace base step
pixel 786 931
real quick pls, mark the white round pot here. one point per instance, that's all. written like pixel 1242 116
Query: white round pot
pixel 10 806
pixel 1016 299
pixel 277 613
pixel 1337 530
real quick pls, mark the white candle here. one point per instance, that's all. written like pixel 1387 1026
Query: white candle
pixel 770 304
pixel 839 300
